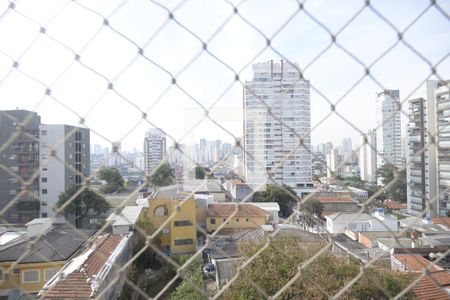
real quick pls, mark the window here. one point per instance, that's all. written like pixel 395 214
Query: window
pixel 212 221
pixel 2 274
pixel 44 191
pixel 246 220
pixel 49 273
pixel 44 215
pixel 16 271
pixel 237 220
pixel 44 169
pixel 44 132
pixel 184 242
pixel 182 223
pixel 44 179
pixel 30 276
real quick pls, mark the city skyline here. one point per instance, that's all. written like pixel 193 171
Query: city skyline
pixel 141 82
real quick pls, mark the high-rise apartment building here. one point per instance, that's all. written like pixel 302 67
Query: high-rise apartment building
pixel 442 94
pixel 19 155
pixel 368 158
pixel 428 165
pixel 154 148
pixel 69 165
pixel 388 132
pixel 277 124
pixel 334 163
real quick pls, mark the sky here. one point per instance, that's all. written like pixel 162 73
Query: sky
pixel 109 73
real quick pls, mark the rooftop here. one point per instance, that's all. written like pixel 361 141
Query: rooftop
pixel 235 209
pixel 81 277
pixel 128 216
pixel 57 244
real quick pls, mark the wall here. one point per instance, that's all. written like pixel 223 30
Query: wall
pixel 253 222
pixel 14 281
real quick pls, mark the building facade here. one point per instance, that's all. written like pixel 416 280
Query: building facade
pixel 368 158
pixel 19 147
pixel 154 148
pixel 334 163
pixel 428 168
pixel 388 132
pixel 68 167
pixel 277 124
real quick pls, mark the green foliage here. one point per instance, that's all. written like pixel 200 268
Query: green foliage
pixel 147 257
pixel 163 176
pixel 193 285
pixel 84 203
pixel 396 192
pixel 201 172
pixel 312 209
pixel 283 196
pixel 114 181
pixel 329 272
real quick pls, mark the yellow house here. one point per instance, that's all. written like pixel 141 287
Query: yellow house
pixel 176 213
pixel 31 258
pixel 234 215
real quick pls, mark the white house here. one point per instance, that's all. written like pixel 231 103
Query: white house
pixel 336 223
pixel 124 222
pixel 271 208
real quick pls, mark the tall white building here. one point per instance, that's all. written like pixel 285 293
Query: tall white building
pixel 334 163
pixel 277 124
pixel 442 94
pixel 368 158
pixel 154 148
pixel 428 171
pixel 71 146
pixel 388 132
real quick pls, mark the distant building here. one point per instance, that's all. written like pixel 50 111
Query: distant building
pixel 357 222
pixel 19 138
pixel 368 158
pixel 154 148
pixel 388 132
pixel 277 124
pixel 334 163
pixel 126 220
pixel 241 216
pixel 69 165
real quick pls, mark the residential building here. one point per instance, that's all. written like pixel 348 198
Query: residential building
pixel 177 208
pixel 442 94
pixel 347 149
pixel 95 272
pixel 277 124
pixel 239 190
pixel 235 216
pixel 126 220
pixel 19 185
pixel 334 163
pixel 368 158
pixel 26 269
pixel 154 148
pixel 357 222
pixel 428 169
pixel 69 164
pixel 388 132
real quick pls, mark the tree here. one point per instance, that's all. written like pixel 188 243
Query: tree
pixel 202 172
pixel 193 285
pixel 114 181
pixel 84 203
pixel 396 192
pixel 284 196
pixel 283 257
pixel 163 176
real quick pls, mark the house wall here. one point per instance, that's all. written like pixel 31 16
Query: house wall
pixel 235 222
pixel 15 281
pixel 175 211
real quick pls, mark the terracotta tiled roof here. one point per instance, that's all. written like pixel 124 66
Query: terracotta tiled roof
pixel 226 210
pixel 442 221
pixel 394 205
pixel 77 284
pixel 426 289
pixel 333 200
